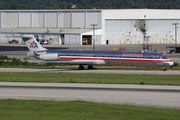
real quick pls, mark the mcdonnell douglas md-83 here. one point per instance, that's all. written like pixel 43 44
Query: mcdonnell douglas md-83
pixel 91 58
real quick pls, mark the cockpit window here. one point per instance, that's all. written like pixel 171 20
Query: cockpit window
pixel 161 57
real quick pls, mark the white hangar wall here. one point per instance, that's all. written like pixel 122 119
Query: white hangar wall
pixel 9 19
pixel 120 27
pixel 51 18
pixel 72 39
pixel 117 26
pixel 38 19
pixel 61 20
pixel 24 19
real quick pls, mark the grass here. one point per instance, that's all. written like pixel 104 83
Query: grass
pixel 90 78
pixel 78 110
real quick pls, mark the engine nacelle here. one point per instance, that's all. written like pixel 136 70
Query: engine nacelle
pixel 34 54
pixel 49 56
pixel 31 54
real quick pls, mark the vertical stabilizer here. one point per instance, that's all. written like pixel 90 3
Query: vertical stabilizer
pixel 32 43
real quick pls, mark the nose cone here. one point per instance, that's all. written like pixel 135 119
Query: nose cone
pixel 171 63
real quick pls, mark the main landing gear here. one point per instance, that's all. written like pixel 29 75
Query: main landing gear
pixel 164 68
pixel 81 67
pixel 90 67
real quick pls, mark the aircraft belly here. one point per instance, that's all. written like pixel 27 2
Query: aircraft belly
pixel 79 62
pixel 130 63
pixel 164 64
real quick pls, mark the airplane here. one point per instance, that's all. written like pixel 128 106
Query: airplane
pixel 91 58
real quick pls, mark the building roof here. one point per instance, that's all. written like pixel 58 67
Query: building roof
pixel 51 10
pixel 44 30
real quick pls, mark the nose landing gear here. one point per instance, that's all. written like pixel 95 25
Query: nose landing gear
pixel 164 68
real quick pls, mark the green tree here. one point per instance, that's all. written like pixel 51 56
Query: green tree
pixel 22 6
pixel 89 4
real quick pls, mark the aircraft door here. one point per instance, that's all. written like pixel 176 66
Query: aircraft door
pixel 154 61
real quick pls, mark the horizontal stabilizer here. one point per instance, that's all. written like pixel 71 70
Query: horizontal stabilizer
pixel 80 62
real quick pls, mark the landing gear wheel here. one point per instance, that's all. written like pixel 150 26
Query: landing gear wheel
pixel 81 67
pixel 164 68
pixel 90 67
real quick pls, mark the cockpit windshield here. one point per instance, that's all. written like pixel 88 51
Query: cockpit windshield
pixel 162 57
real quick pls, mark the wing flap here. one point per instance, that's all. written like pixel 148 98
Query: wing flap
pixel 80 62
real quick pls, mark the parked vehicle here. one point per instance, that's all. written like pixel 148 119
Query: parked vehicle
pixel 85 41
pixel 13 41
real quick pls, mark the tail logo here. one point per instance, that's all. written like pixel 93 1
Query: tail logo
pixel 33 45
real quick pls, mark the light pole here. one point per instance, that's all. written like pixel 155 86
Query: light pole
pixel 93 35
pixel 175 35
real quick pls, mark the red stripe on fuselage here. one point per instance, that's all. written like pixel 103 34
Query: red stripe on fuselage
pixel 118 59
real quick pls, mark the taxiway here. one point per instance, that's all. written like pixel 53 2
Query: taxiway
pixel 155 72
pixel 139 95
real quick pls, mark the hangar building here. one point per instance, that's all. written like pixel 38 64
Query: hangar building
pixel 114 26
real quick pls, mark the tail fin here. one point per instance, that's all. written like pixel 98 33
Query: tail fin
pixel 32 43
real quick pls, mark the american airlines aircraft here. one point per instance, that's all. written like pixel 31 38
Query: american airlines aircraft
pixel 91 58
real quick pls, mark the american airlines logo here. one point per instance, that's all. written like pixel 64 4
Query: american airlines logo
pixel 131 54
pixel 33 45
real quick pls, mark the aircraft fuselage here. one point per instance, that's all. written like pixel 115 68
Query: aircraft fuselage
pixel 115 57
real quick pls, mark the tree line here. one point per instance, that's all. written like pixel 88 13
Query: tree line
pixel 89 4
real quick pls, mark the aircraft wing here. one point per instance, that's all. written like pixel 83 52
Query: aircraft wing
pixel 80 62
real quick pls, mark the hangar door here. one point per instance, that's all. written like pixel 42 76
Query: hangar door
pixel 72 39
pixel 87 40
pixel 130 31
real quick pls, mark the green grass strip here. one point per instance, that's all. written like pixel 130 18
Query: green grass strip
pixel 77 110
pixel 90 78
pixel 61 66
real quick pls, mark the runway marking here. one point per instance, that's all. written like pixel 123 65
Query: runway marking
pixel 43 98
